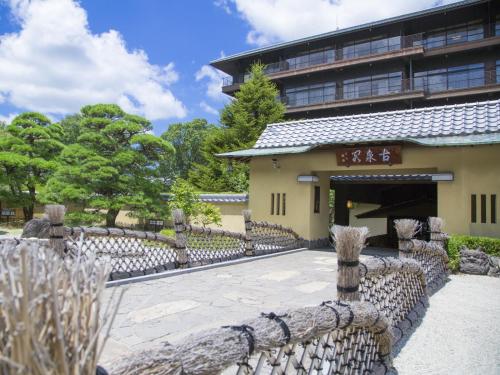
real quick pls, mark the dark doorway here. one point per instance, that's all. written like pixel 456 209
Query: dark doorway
pixel 390 201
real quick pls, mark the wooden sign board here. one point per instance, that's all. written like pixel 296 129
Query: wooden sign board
pixel 369 155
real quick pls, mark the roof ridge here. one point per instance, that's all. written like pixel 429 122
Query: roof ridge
pixel 384 113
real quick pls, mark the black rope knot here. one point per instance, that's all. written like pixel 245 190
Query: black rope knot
pixel 281 322
pixel 348 263
pixel 337 316
pixel 56 224
pixel 245 330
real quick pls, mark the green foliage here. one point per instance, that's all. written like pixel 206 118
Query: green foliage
pixel 187 139
pixel 28 150
pixel 71 128
pixel 242 120
pixel 113 165
pixel 185 197
pixel 491 246
pixel 168 232
pixel 89 217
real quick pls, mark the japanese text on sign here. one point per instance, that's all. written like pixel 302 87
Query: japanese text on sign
pixel 369 155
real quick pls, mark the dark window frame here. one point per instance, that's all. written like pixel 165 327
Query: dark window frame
pixel 483 208
pixel 317 199
pixel 493 208
pixel 283 205
pixel 473 208
pixel 272 203
pixel 278 197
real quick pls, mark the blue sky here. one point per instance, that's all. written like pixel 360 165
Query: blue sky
pixel 150 56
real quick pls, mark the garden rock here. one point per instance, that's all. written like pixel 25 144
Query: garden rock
pixel 477 262
pixel 38 228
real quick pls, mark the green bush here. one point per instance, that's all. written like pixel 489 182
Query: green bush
pixel 491 246
pixel 168 232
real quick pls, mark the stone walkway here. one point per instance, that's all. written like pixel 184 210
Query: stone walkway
pixel 170 308
pixel 460 333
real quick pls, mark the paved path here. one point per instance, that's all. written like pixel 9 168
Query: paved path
pixel 460 332
pixel 170 308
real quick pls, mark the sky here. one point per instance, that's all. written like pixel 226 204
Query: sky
pixel 151 56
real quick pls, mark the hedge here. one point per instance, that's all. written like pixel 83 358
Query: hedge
pixel 491 246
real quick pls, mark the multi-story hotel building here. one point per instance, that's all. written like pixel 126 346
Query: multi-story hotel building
pixel 444 55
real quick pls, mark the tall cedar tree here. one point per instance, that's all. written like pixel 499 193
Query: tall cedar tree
pixel 187 139
pixel 28 150
pixel 256 105
pixel 113 165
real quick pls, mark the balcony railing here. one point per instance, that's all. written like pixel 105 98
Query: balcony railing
pixel 428 41
pixel 377 89
pixel 347 92
pixel 457 80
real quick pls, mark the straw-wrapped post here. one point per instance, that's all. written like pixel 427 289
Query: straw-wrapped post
pixel 52 317
pixel 407 229
pixel 249 249
pixel 55 214
pixel 437 235
pixel 180 238
pixel 349 242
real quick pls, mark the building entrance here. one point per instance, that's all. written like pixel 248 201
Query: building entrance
pixel 376 201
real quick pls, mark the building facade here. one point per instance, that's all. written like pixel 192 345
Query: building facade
pixel 382 166
pixel 445 55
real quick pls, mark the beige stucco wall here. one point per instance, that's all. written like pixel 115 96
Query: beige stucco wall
pixel 231 216
pixel 377 226
pixel 476 170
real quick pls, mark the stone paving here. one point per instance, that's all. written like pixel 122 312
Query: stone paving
pixel 459 334
pixel 170 308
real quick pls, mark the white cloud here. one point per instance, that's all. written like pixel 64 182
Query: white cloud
pixel 214 80
pixel 223 4
pixel 8 118
pixel 55 65
pixel 208 108
pixel 280 20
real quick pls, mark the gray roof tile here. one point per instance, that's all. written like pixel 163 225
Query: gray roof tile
pixel 450 120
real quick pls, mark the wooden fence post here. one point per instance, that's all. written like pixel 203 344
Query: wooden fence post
pixel 55 214
pixel 249 248
pixel 349 242
pixel 180 238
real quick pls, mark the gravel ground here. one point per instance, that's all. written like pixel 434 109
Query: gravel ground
pixel 460 333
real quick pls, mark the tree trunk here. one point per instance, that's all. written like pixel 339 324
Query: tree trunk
pixel 28 212
pixel 111 217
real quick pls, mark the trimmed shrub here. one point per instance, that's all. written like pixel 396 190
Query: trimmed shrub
pixel 491 246
pixel 168 232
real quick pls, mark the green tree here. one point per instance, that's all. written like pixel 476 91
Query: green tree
pixel 185 197
pixel 113 165
pixel 187 139
pixel 28 150
pixel 256 105
pixel 71 128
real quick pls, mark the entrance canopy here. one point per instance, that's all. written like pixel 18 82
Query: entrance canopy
pixel 372 178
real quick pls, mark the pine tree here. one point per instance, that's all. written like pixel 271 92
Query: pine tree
pixel 255 106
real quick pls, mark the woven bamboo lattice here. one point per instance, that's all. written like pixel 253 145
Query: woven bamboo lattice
pixel 271 238
pixel 430 254
pixel 130 253
pixel 206 245
pixel 397 287
pixel 334 338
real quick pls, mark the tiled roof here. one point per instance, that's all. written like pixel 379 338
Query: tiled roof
pixel 431 123
pixel 224 198
pixel 216 197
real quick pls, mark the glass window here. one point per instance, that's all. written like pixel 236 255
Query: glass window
pixel 311 94
pixel 379 46
pixel 435 39
pixel 497 26
pixel 362 49
pixel 458 77
pixel 394 43
pixel 498 72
